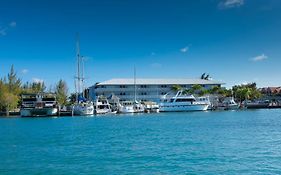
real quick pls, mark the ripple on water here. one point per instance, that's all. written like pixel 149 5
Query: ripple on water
pixel 233 142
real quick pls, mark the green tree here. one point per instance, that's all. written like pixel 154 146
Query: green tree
pixel 38 87
pixel 10 89
pixel 176 88
pixel 61 92
pixel 14 83
pixel 214 90
pixel 246 92
pixel 196 88
pixel 8 100
pixel 72 98
pixel 203 92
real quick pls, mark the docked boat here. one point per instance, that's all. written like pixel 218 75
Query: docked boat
pixel 102 106
pixel 150 107
pixel 82 105
pixel 41 104
pixel 256 104
pixel 130 107
pixel 228 104
pixel 83 108
pixel 182 102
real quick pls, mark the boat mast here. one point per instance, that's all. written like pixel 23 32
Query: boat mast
pixel 82 75
pixel 135 86
pixel 78 76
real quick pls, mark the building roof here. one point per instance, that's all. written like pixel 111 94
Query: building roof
pixel 141 81
pixel 274 90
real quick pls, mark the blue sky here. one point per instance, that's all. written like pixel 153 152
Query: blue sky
pixel 235 41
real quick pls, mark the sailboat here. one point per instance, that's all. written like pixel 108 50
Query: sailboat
pixel 131 106
pixel 82 106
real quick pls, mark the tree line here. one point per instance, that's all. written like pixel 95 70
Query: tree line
pixel 12 87
pixel 239 92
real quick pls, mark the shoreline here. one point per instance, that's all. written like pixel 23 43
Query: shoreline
pixel 134 114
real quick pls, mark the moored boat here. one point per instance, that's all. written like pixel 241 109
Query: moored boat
pixel 181 103
pixel 228 104
pixel 256 104
pixel 82 105
pixel 130 107
pixel 41 104
pixel 102 106
pixel 150 107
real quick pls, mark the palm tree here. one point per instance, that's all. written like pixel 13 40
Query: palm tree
pixel 187 91
pixel 203 92
pixel 215 89
pixel 176 88
pixel 196 87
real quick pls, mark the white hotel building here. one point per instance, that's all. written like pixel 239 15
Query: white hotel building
pixel 146 89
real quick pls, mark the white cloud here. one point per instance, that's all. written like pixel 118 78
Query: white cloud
pixel 244 83
pixel 37 80
pixel 260 58
pixel 3 31
pixel 13 24
pixel 24 71
pixel 230 3
pixel 156 65
pixel 185 49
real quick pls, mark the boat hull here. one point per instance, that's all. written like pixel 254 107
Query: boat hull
pixel 102 111
pixel 32 112
pixel 257 106
pixel 83 110
pixel 232 107
pixel 130 109
pixel 183 108
pixel 126 109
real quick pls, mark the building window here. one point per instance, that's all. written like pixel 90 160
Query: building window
pixel 122 93
pixel 163 86
pixel 122 86
pixel 143 93
pixel 143 86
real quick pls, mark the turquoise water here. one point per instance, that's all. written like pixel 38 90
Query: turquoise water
pixel 230 142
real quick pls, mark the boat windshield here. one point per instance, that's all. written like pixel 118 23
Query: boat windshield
pixel 185 100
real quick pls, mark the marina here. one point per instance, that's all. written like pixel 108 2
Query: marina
pixel 113 87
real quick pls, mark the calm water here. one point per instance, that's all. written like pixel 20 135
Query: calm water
pixel 231 142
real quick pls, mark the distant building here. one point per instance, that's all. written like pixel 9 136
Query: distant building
pixel 271 90
pixel 146 89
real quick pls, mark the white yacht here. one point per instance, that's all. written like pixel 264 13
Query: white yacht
pixel 150 106
pixel 130 107
pixel 181 102
pixel 102 106
pixel 230 104
pixel 82 106
pixel 41 104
